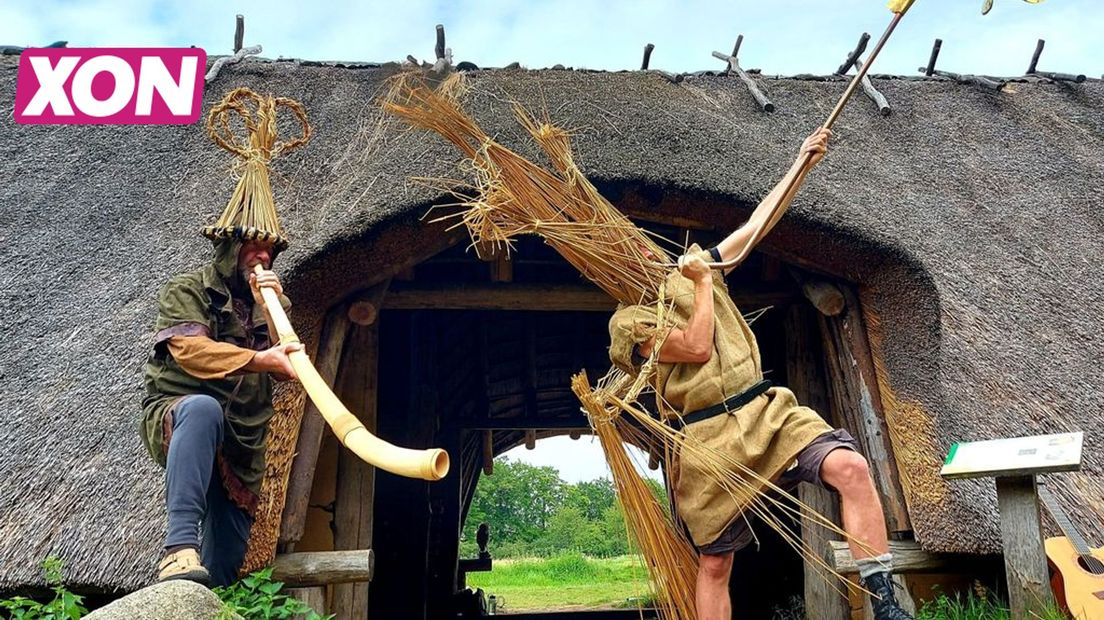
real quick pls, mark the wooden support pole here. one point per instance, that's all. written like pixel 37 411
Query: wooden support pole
pixel 314 597
pixel 854 393
pixel 753 88
pixel 805 377
pixel 365 307
pixel 647 57
pixel 1025 561
pixel 736 48
pixel 930 69
pixel 301 479
pixel 488 453
pixel 319 568
pixel 355 501
pixel 1061 77
pixel 530 440
pixel 239 32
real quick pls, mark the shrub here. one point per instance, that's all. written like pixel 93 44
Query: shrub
pixel 64 606
pixel 258 597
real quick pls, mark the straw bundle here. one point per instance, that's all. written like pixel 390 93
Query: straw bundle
pixel 513 196
pixel 251 212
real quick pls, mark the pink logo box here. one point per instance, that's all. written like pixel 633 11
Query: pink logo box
pixel 110 86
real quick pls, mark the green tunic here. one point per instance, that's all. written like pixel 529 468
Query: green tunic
pixel 765 435
pixel 201 303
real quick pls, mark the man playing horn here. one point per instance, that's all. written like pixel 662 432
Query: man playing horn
pixel 208 403
pixel 708 378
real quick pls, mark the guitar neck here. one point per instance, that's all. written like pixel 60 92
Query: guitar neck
pixel 1063 521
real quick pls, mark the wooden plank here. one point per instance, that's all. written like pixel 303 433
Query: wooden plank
pixel 855 396
pixel 354 503
pixel 315 598
pixel 319 568
pixel 1025 562
pixel 301 478
pixel 908 557
pixel 532 297
pixel 806 379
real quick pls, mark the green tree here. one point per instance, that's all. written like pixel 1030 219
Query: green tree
pixel 516 501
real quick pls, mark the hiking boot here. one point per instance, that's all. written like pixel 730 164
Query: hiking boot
pixel 183 564
pixel 882 600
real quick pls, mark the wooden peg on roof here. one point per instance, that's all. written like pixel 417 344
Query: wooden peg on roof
pixel 488 453
pixel 930 69
pixel 239 32
pixel 647 57
pixel 734 67
pixel 867 86
pixel 977 80
pixel 1059 77
pixel 439 48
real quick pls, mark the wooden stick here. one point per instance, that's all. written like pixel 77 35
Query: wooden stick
pixel 239 32
pixel 439 48
pixel 736 48
pixel 734 66
pixel 977 80
pixel 647 56
pixel 854 55
pixel 1061 77
pixel 930 69
pixel 1035 56
pixel 877 97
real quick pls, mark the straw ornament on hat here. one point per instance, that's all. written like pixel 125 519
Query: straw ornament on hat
pixel 251 213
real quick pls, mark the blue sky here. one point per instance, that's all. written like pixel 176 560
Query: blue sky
pixel 781 37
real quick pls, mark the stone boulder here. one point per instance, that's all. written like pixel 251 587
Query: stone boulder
pixel 172 600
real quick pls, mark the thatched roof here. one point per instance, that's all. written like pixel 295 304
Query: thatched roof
pixel 971 221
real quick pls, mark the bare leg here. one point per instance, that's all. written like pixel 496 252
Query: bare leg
pixel 712 592
pixel 848 473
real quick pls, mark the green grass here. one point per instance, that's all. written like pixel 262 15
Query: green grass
pixel 973 607
pixel 569 581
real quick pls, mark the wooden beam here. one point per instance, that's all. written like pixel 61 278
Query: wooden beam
pixel 908 557
pixel 354 503
pixel 854 392
pixel 533 297
pixel 301 478
pixel 365 305
pixel 530 439
pixel 805 377
pixel 320 568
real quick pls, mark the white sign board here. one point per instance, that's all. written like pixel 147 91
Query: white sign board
pixel 1015 456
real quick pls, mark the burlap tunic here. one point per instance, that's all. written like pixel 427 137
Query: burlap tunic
pixel 765 435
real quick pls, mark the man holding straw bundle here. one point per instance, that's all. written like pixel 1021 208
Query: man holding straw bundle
pixel 709 383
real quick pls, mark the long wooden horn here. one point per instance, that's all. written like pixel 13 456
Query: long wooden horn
pixel 429 464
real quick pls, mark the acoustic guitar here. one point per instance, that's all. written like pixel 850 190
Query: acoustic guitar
pixel 1077 572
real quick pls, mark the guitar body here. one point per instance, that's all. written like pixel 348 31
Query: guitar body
pixel 1077 589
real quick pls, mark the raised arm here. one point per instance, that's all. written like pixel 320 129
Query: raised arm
pixel 766 214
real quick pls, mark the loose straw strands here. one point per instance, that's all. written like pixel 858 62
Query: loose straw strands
pixel 670 560
pixel 515 196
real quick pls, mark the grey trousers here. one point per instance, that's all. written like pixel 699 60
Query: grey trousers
pixel 195 494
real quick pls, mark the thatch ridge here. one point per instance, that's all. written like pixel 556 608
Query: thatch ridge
pixel 971 221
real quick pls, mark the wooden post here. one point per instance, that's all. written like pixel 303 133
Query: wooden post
pixel 1025 562
pixel 365 307
pixel 314 597
pixel 444 535
pixel 488 453
pixel 806 379
pixel 354 503
pixel 301 478
pixel 854 392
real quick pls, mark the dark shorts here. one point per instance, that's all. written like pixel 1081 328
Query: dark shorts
pixel 739 535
